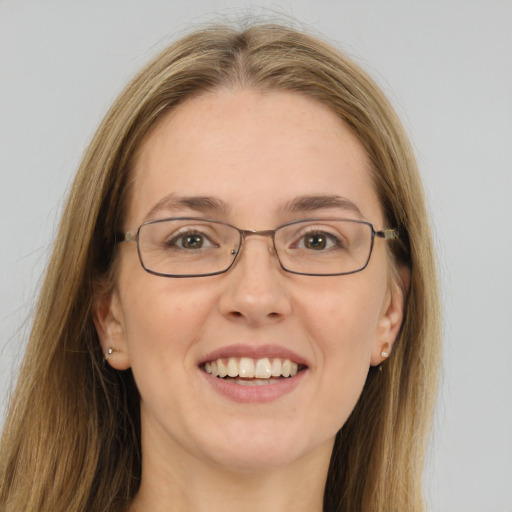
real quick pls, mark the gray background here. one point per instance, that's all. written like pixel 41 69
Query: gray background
pixel 446 66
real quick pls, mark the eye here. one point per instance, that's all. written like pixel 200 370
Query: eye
pixel 191 240
pixel 317 241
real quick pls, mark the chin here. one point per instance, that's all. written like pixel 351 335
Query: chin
pixel 254 460
pixel 250 449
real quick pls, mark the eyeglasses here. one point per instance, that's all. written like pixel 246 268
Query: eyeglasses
pixel 196 247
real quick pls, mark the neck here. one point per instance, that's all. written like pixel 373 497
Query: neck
pixel 250 494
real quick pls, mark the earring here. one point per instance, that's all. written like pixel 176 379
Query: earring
pixel 385 350
pixel 108 353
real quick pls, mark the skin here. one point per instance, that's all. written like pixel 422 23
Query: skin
pixel 201 450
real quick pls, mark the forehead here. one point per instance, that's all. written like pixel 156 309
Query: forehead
pixel 255 152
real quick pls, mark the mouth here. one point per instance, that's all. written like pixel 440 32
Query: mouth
pixel 247 371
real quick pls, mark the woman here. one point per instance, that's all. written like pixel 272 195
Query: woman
pixel 241 310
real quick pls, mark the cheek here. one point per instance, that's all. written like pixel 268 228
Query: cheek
pixel 342 319
pixel 342 327
pixel 162 323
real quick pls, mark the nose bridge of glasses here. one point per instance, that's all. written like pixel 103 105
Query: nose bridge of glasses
pixel 267 233
pixel 252 232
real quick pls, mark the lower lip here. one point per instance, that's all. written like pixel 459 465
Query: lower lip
pixel 254 394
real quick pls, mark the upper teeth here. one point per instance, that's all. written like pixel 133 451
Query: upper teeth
pixel 246 367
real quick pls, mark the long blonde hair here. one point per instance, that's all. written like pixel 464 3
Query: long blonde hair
pixel 71 439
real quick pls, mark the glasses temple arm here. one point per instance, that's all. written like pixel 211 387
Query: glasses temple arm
pixel 388 234
pixel 123 237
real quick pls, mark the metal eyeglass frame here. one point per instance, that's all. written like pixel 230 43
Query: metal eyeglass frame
pixel 385 234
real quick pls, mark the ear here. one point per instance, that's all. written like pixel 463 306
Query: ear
pixel 391 317
pixel 109 323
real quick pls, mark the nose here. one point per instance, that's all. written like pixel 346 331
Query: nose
pixel 256 291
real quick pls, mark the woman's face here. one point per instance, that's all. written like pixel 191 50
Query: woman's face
pixel 261 159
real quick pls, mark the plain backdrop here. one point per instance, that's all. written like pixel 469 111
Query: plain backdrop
pixel 447 68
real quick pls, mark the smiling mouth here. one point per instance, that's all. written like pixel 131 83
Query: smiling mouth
pixel 252 372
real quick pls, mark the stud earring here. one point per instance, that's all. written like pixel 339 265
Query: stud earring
pixel 108 353
pixel 385 350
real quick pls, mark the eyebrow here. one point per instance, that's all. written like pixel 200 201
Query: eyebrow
pixel 202 204
pixel 322 202
pixel 209 204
